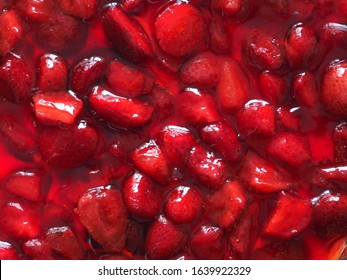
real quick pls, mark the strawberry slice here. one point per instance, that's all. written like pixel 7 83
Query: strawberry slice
pixel 305 89
pixel 272 87
pixel 36 10
pixel 335 175
pixel 79 8
pixel 102 212
pixel 8 252
pixel 11 31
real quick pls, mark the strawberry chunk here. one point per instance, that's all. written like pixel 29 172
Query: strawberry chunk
pixel 332 34
pixel 79 8
pixel 341 6
pixel 272 87
pixel 328 176
pixel 37 249
pixel 227 7
pixel 219 41
pixel 36 10
pixel 133 6
pixel 289 117
pixel 11 31
pixel 7 252
pixel 305 89
pixel 102 212
pixel 162 102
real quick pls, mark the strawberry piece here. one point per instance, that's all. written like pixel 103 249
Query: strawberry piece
pixel 127 80
pixel 102 212
pixel 208 242
pixel 68 147
pixel 305 89
pixel 301 46
pixel 141 197
pixel 206 167
pixel 330 176
pixel 301 9
pixel 183 204
pixel 224 139
pixel 86 73
pixel 52 73
pixel 36 10
pixel 272 87
pixel 263 176
pixel 289 117
pixel 7 252
pixel 232 89
pixel 116 149
pixel 151 160
pixel 227 7
pixel 290 148
pixel 126 35
pixel 37 249
pixel 197 107
pixel 119 111
pixel 291 216
pixel 133 6
pixel 262 51
pixel 14 69
pixel 332 34
pixel 340 143
pixel 163 239
pixel 79 8
pixel 324 7
pixel 341 6
pixel 27 184
pixel 53 108
pixel 135 236
pixel 201 71
pixel 219 41
pixel 179 29
pixel 162 102
pixel 333 87
pixel 11 31
pixel 279 7
pixel 226 205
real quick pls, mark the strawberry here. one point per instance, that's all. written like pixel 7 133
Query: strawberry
pixel 53 108
pixel 52 73
pixel 116 148
pixel 206 167
pixel 135 236
pixel 133 6
pixel 341 6
pixel 79 8
pixel 272 87
pixel 226 205
pixel 305 89
pixel 208 242
pixel 219 40
pixel 324 7
pixel 183 204
pixel 290 148
pixel 263 176
pixel 14 69
pixel 119 111
pixel 162 102
pixel 86 73
pixel 279 7
pixel 68 147
pixel 36 10
pixel 340 143
pixel 179 29
pixel 327 176
pixel 163 239
pixel 37 249
pixel 126 35
pixel 102 212
pixel 232 90
pixel 291 216
pixel 141 197
pixel 11 31
pixel 8 252
pixel 332 34
pixel 127 80
pixel 223 138
pixel 227 7
pixel 150 159
pixel 289 117
pixel 301 9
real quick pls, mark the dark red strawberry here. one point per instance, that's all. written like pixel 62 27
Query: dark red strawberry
pixel 226 205
pixel 305 89
pixel 163 239
pixel 179 29
pixel 53 108
pixel 102 212
pixel 227 7
pixel 11 31
pixel 324 7
pixel 272 87
pixel 8 252
pixel 162 101
pixel 333 33
pixel 116 148
pixel 141 197
pixel 126 35
pixel 279 7
pixel 13 69
pixel 79 8
pixel 219 40
pixel 37 249
pixel 127 80
pixel 340 143
pixel 289 117
pixel 135 236
pixel 37 10
pixel 331 175
pixel 301 9
pixel 133 6
pixel 183 204
pixel 52 73
pixel 291 216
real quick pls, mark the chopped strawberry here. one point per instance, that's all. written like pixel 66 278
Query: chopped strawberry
pixel 116 149
pixel 119 111
pixel 272 87
pixel 179 29
pixel 53 108
pixel 332 175
pixel 141 197
pixel 37 10
pixel 227 7
pixel 333 33
pixel 37 249
pixel 8 252
pixel 305 89
pixel 289 117
pixel 163 239
pixel 162 102
pixel 135 236
pixel 133 6
pixel 301 9
pixel 219 40
pixel 79 8
pixel 102 212
pixel 11 31
pixel 52 73
pixel 226 205
pixel 340 142
pixel 126 35
pixel 127 80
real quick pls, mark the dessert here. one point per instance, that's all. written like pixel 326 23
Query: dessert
pixel 201 129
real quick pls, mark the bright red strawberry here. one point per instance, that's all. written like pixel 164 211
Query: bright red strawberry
pixel 227 7
pixel 219 40
pixel 340 143
pixel 162 102
pixel 290 148
pixel 102 212
pixel 11 31
pixel 226 205
pixel 141 197
pixel 263 176
pixel 222 137
pixel 68 147
pixel 127 80
pixel 53 108
pixel 36 10
pixel 183 204
pixel 52 73
pixel 14 69
pixel 119 111
pixel 272 87
pixel 37 249
pixel 206 167
pixel 150 159
pixel 163 239
pixel 179 29
pixel 8 252
pixel 291 216
pixel 126 35
pixel 208 242
pixel 289 117
pixel 79 8
pixel 305 89
pixel 232 89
